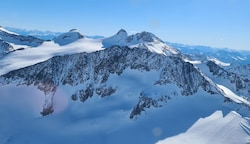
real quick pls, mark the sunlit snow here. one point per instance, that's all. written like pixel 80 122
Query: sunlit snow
pixel 218 62
pixel 215 129
pixel 229 94
pixel 30 56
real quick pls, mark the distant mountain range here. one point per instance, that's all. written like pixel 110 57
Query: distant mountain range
pixel 45 35
pixel 120 89
pixel 223 54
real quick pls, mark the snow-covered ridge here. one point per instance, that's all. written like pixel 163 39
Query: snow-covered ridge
pixel 218 62
pixel 31 56
pixel 215 129
pixel 17 39
pixel 4 30
pixel 142 40
pixel 229 94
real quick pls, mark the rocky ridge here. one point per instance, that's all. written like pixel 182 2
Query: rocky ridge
pixel 94 69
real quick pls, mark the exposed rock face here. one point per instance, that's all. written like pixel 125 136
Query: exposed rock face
pixel 239 84
pixel 144 102
pixel 94 69
pixel 5 48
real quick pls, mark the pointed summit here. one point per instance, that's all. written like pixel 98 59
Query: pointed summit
pixel 118 39
pixel 5 48
pixel 122 32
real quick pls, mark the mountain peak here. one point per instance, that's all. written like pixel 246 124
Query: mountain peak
pixel 144 39
pixel 146 36
pixel 122 32
pixel 74 30
pixel 68 37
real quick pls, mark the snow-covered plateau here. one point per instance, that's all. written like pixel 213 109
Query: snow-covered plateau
pixel 121 89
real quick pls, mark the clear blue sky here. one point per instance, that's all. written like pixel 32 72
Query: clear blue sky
pixel 218 23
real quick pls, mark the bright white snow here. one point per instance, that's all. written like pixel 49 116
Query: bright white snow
pixel 215 129
pixel 27 57
pixel 3 29
pixel 218 62
pixel 229 94
pixel 30 56
pixel 157 47
pixel 193 62
pixel 142 40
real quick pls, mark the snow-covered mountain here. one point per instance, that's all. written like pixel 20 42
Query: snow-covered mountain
pixel 93 70
pixel 67 38
pixel 120 89
pixel 142 40
pixel 10 42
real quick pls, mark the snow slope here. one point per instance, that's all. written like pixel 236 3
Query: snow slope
pixel 5 30
pixel 215 129
pixel 101 120
pixel 27 57
pixel 229 94
pixel 218 62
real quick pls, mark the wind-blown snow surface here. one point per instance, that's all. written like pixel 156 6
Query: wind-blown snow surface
pixel 27 57
pixel 215 129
